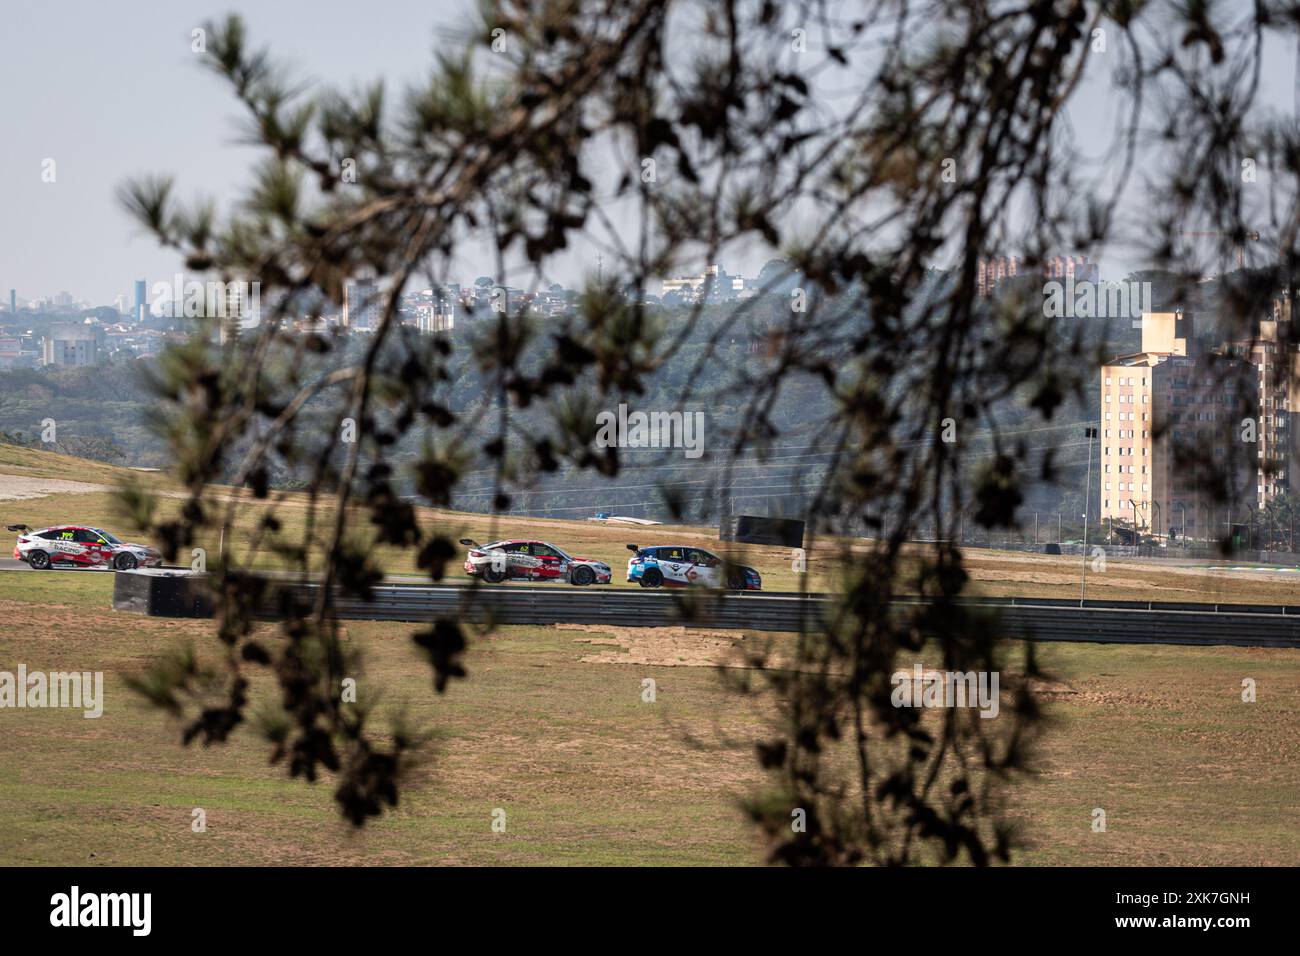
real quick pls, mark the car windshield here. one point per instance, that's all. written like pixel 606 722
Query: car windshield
pixel 106 536
pixel 565 556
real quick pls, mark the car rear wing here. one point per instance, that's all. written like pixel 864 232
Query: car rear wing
pixel 633 547
pixel 20 528
pixel 470 543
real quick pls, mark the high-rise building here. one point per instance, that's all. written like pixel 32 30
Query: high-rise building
pixel 439 315
pixel 13 301
pixel 431 318
pixel 1277 367
pixel 141 300
pixel 1074 267
pixel 361 305
pixel 989 272
pixel 1193 440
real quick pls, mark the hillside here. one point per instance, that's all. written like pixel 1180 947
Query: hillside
pixel 33 462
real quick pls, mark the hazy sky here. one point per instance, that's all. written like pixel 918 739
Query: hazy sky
pixel 110 90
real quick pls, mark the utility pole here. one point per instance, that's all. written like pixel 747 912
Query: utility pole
pixel 1090 433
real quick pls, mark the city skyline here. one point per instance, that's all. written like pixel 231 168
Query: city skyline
pixel 100 134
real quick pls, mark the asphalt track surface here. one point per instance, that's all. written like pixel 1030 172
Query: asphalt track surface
pixel 1043 619
pixel 1107 622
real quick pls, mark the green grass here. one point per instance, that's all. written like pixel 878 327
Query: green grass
pixel 65 588
pixel 588 774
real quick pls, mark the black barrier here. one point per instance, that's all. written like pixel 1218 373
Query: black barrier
pixel 162 592
pixel 753 529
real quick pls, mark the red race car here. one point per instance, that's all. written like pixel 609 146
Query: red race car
pixel 530 561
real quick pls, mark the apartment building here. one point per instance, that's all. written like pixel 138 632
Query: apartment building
pixel 714 283
pixel 1176 425
pixel 989 272
pixel 1277 369
pixel 362 305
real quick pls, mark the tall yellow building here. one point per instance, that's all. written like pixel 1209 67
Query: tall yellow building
pixel 1174 453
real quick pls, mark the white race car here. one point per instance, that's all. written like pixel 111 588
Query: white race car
pixel 524 560
pixel 679 566
pixel 77 546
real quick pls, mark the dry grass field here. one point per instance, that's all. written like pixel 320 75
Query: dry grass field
pixel 550 727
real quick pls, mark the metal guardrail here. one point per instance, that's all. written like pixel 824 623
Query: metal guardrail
pixel 181 593
pixel 1047 619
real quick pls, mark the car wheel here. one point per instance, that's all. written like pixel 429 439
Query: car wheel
pixel 125 562
pixel 653 578
pixel 583 576
pixel 39 560
pixel 492 576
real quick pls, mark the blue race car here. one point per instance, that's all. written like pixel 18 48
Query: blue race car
pixel 679 566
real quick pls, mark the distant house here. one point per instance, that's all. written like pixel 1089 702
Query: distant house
pixel 12 354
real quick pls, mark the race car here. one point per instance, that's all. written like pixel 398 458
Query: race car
pixel 70 545
pixel 523 560
pixel 679 566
